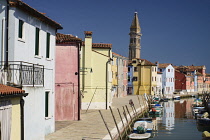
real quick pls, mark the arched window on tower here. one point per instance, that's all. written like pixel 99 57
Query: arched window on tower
pixel 134 40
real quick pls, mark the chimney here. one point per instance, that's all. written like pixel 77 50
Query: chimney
pixel 88 34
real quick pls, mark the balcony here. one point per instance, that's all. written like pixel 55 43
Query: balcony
pixel 19 73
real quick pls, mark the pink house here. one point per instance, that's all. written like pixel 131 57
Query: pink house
pixel 125 75
pixel 67 99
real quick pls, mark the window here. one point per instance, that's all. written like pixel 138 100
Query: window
pixel 48 46
pixel 134 61
pixel 37 42
pixel 134 78
pixel 168 70
pixel 135 68
pixel 129 69
pixel 20 32
pixel 47 104
pixel 128 78
pixel 160 70
pixel 131 40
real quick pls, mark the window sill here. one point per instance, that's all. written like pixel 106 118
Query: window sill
pixel 37 56
pixel 49 59
pixel 21 40
pixel 48 118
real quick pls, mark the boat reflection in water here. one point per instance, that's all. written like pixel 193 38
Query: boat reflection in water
pixel 176 122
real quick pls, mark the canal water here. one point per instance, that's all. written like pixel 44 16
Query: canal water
pixel 177 122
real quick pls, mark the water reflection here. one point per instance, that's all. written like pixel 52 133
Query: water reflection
pixel 177 121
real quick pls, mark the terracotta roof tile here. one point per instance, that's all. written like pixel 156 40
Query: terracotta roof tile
pixel 146 62
pixel 101 45
pixel 42 17
pixel 62 38
pixel 207 75
pixel 164 65
pixel 7 90
pixel 119 55
pixel 159 72
pixel 189 68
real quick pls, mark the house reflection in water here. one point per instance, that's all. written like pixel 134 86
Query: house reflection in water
pixel 168 115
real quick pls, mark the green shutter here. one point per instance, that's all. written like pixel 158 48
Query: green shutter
pixel 20 33
pixel 48 46
pixel 37 42
pixel 46 104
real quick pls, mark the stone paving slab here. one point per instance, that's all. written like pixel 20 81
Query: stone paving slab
pixel 91 125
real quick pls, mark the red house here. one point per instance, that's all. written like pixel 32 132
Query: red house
pixel 67 99
pixel 180 81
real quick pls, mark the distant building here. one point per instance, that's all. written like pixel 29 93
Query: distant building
pixel 120 74
pixel 159 84
pixel 195 78
pixel 95 74
pixel 130 79
pixel 142 76
pixel 208 81
pixel 135 38
pixel 168 81
pixel 27 61
pixel 67 98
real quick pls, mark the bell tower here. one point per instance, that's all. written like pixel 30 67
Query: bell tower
pixel 135 38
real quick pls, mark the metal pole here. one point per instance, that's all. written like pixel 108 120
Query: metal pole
pixel 122 120
pixel 115 122
pixel 135 110
pixel 124 113
pixel 129 113
pixel 105 124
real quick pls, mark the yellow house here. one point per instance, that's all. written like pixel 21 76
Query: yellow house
pixel 95 74
pixel 11 111
pixel 142 76
pixel 154 88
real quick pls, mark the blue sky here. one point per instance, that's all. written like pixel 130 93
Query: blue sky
pixel 174 31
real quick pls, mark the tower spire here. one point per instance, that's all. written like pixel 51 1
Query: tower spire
pixel 135 38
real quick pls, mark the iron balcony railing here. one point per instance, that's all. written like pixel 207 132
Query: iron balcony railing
pixel 19 73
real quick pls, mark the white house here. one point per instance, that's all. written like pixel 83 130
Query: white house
pixel 168 82
pixel 28 62
pixel 159 84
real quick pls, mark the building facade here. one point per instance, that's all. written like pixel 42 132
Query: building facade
pixel 29 63
pixel 67 98
pixel 168 81
pixel 96 74
pixel 11 112
pixel 195 78
pixel 130 79
pixel 121 74
pixel 142 76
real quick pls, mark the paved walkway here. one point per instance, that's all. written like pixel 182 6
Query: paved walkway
pixel 91 125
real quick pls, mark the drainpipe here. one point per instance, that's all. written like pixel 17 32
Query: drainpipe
pixel 79 95
pixel 7 35
pixel 22 117
pixel 110 59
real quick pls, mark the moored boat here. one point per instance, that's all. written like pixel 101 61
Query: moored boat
pixel 142 129
pixel 155 111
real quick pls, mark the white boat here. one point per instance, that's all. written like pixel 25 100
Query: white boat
pixel 142 129
pixel 135 136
